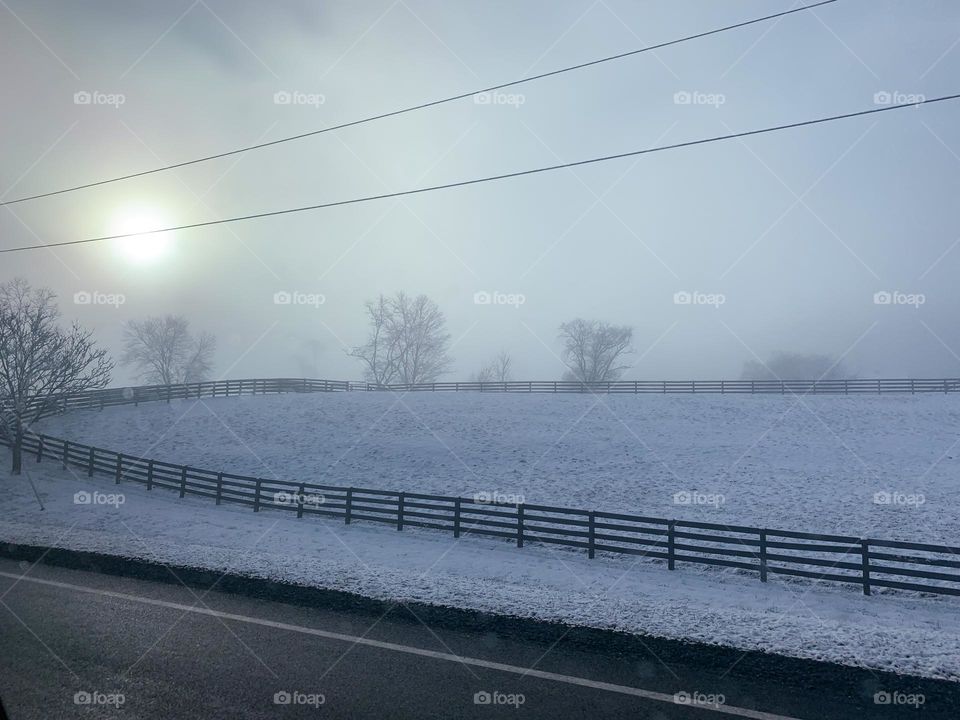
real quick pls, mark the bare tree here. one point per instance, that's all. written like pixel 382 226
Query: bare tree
pixel 593 350
pixel 165 352
pixel 379 353
pixel 40 361
pixel 796 366
pixel 408 340
pixel 497 370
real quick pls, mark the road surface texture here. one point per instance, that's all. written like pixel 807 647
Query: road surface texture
pixel 78 643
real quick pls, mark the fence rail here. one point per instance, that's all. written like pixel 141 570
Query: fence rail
pixel 94 399
pixel 720 387
pixel 868 563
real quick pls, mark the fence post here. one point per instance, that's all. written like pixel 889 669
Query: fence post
pixel 219 486
pixel 591 537
pixel 40 449
pixel 912 391
pixel 90 458
pixel 865 564
pixel 119 472
pixel 183 481
pixel 456 517
pixel 149 474
pixel 763 556
pixel 349 508
pixel 66 453
pixel 300 501
pixel 670 544
pixel 256 496
pixel 519 525
pixel 400 511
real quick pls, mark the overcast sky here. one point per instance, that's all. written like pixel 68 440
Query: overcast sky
pixel 795 232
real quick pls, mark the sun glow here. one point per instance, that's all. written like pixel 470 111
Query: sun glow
pixel 145 247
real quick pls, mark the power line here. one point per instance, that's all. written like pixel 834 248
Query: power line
pixel 413 108
pixel 491 178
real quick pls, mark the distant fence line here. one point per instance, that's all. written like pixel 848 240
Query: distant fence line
pixel 865 562
pixel 267 386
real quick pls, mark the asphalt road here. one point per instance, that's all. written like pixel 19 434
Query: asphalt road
pixel 83 644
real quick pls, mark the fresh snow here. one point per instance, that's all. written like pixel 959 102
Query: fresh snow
pixel 889 631
pixel 812 464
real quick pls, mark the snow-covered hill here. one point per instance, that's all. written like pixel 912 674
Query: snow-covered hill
pixel 813 463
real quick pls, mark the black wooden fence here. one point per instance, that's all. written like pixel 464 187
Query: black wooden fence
pixel 866 562
pixel 720 387
pixel 225 388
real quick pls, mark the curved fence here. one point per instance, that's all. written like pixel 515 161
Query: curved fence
pixel 226 388
pixel 866 562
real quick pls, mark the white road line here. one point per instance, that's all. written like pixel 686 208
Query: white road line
pixel 409 650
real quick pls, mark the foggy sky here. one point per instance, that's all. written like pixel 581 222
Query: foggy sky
pixel 796 230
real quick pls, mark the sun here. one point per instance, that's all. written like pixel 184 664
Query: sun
pixel 144 247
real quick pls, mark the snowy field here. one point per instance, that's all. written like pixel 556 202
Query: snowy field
pixel 897 632
pixel 812 464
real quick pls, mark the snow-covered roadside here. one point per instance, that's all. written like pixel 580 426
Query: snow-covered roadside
pixel 895 632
